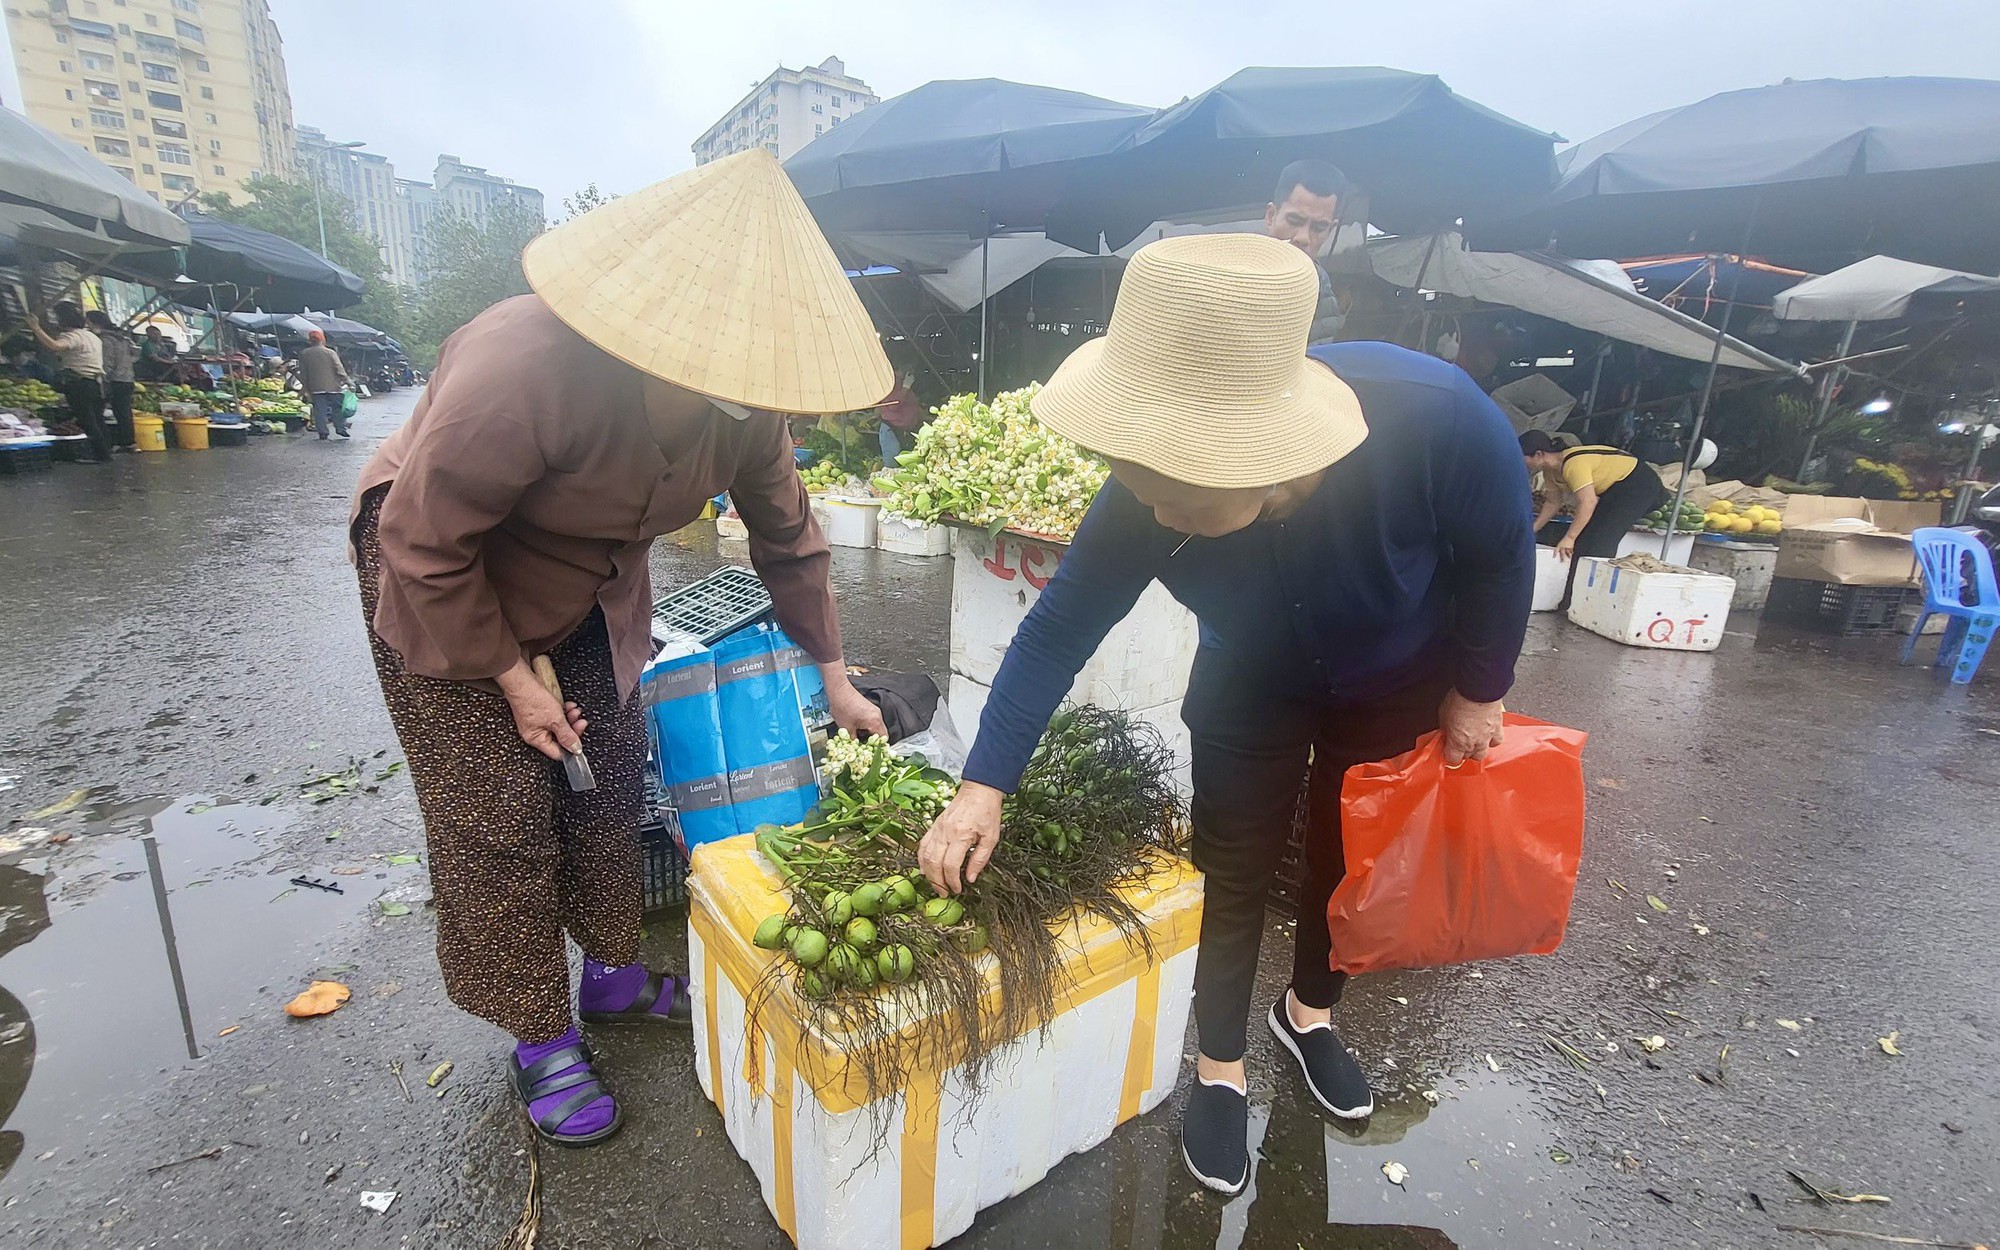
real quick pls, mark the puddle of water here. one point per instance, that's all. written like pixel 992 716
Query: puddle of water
pixel 89 1016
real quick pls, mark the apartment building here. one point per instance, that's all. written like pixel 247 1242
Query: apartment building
pixel 180 96
pixel 786 111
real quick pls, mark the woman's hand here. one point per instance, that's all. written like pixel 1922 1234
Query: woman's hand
pixel 1567 547
pixel 959 844
pixel 1469 729
pixel 851 709
pixel 543 724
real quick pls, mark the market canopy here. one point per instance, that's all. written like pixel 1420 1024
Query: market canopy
pixel 965 155
pixel 1422 154
pixel 1590 295
pixel 1712 281
pixel 24 231
pixel 41 169
pixel 342 330
pixel 1880 288
pixel 1814 174
pixel 276 272
pixel 270 323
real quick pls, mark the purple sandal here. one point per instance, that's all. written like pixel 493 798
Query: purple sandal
pixel 640 990
pixel 559 1089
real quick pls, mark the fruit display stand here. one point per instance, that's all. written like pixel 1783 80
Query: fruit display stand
pixel 1141 666
pixel 1665 607
pixel 1748 564
pixel 797 1111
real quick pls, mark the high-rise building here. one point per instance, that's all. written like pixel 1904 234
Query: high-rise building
pixel 180 96
pixel 470 191
pixel 415 203
pixel 786 111
pixel 367 181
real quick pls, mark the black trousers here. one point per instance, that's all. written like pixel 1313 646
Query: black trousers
pixel 1618 510
pixel 86 407
pixel 1252 753
pixel 119 396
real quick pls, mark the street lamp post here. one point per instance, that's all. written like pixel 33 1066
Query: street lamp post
pixel 319 213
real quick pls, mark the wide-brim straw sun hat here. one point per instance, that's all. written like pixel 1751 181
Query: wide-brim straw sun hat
pixel 1202 375
pixel 717 280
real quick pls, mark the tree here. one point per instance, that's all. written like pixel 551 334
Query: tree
pixel 473 264
pixel 583 201
pixel 286 209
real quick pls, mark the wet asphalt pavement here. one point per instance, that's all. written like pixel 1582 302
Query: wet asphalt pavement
pixel 184 645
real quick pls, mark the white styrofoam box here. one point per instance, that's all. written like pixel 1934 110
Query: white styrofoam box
pixel 1142 663
pixel 1750 564
pixel 1647 543
pixel 847 522
pixel 904 537
pixel 1680 611
pixel 967 700
pixel 792 1109
pixel 1551 575
pixel 727 526
pixel 1906 620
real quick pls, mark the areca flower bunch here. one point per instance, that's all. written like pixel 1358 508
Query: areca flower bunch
pixel 993 465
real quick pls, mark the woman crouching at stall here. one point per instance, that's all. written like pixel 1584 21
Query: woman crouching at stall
pixel 1349 530
pixel 512 519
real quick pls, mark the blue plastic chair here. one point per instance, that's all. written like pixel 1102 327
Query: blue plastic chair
pixel 1943 553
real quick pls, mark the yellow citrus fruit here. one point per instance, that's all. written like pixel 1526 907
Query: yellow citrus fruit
pixel 1771 526
pixel 1721 507
pixel 1744 525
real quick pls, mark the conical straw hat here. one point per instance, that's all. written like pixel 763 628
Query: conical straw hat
pixel 717 280
pixel 1202 374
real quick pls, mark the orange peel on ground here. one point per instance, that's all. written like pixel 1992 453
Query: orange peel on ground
pixel 319 999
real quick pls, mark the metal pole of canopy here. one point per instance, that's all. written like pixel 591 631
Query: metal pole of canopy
pixel 1832 383
pixel 985 297
pixel 1707 393
pixel 1423 268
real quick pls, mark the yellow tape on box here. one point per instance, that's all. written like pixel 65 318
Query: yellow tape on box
pixel 799 1114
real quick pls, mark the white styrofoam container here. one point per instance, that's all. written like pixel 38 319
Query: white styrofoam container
pixel 1551 575
pixel 1683 611
pixel 727 526
pixel 1647 543
pixel 1113 1053
pixel 1749 564
pixel 1142 663
pixel 967 700
pixel 847 522
pixel 904 537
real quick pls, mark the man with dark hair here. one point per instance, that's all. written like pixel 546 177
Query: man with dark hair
pixel 1304 211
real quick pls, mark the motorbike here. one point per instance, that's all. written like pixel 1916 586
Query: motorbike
pixel 1983 518
pixel 381 379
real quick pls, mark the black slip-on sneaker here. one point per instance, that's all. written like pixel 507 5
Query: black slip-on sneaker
pixel 1331 1073
pixel 1215 1136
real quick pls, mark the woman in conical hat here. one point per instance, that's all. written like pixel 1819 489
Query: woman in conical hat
pixel 1350 527
pixel 511 518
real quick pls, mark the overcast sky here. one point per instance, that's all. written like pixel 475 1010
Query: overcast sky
pixel 613 91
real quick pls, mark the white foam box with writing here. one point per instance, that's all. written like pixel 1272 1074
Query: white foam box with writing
pixel 1749 564
pixel 805 1120
pixel 732 528
pixel 847 522
pixel 1142 663
pixel 1669 611
pixel 904 537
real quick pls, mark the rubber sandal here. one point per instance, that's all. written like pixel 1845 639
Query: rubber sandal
pixel 539 1080
pixel 679 1012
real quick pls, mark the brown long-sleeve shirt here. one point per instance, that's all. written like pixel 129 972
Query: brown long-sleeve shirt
pixel 528 486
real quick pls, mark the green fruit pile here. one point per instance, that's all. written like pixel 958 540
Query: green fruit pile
pixel 28 394
pixel 1691 517
pixel 822 476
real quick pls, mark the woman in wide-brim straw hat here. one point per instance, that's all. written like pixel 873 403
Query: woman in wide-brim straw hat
pixel 1348 528
pixel 512 518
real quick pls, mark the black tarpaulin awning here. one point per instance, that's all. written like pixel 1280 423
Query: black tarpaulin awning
pixel 41 169
pixel 278 274
pixel 1813 174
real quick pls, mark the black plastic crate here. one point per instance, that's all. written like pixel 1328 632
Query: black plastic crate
pixel 228 434
pixel 69 448
pixel 713 608
pixel 1831 608
pixel 29 459
pixel 663 861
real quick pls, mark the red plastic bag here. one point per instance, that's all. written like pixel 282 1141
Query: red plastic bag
pixel 1445 866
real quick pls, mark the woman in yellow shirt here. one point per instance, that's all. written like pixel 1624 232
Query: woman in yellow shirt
pixel 1612 492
